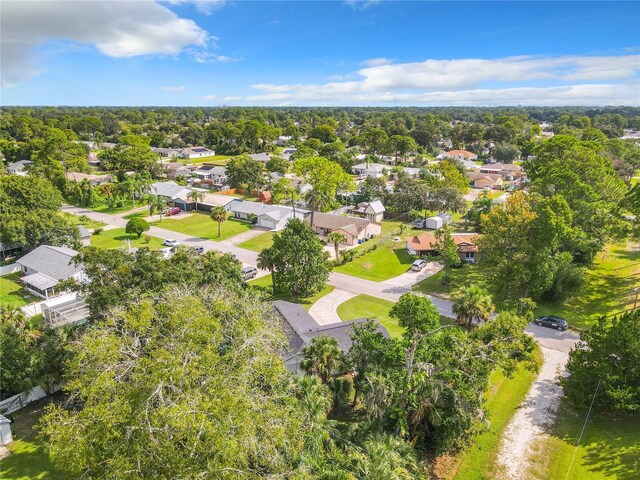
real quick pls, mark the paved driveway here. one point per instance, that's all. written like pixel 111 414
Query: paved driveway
pixel 410 278
pixel 325 310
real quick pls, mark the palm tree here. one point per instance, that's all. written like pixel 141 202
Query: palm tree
pixel 86 193
pixel 386 456
pixel 196 196
pixel 218 214
pixel 107 191
pixel 322 357
pixel 336 238
pixel 122 191
pixel 156 203
pixel 472 303
pixel 315 403
pixel 267 261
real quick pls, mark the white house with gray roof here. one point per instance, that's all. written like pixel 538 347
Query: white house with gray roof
pixel 46 266
pixel 273 217
pixel 19 168
pixel 170 190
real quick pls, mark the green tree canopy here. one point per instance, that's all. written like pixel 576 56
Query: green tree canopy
pixel 137 226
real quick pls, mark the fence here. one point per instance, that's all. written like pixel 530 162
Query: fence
pixel 21 400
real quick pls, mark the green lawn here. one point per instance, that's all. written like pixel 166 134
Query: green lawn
pixel 259 243
pixel 75 219
pixel 493 194
pixel 389 260
pixel 264 284
pixel 201 225
pixel 370 307
pixel 117 238
pixel 12 294
pixel 608 287
pixel 29 459
pixel 502 399
pixel 116 208
pixel 463 276
pixel 609 449
pixel 216 159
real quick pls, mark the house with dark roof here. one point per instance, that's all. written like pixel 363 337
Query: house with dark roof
pixel 355 230
pixel 46 266
pixel 300 328
pixel 214 174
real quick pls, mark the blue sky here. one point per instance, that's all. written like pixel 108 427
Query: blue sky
pixel 181 52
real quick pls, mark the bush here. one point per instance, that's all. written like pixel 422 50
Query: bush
pixel 97 231
pixel 84 219
pixel 147 238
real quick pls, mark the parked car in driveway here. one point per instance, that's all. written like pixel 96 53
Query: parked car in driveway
pixel 169 242
pixel 420 223
pixel 249 272
pixel 173 211
pixel 552 322
pixel 198 248
pixel 418 265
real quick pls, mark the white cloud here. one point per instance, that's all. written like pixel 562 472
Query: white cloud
pixel 526 80
pixel 203 6
pixel 202 56
pixel 231 99
pixel 116 29
pixel 377 62
pixel 361 4
pixel 210 97
pixel 173 89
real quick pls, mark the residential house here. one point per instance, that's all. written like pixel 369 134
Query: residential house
pixel 107 146
pixel 373 211
pixel 412 172
pixel 85 235
pixel 283 140
pixel 287 153
pixel 19 168
pixel 174 169
pixel 93 160
pixel 46 266
pixel 196 152
pixel 459 155
pixel 374 170
pixel 486 180
pixel 508 171
pixel 209 201
pixel 94 179
pixel 356 230
pixel 426 245
pixel 273 217
pixel 169 190
pixel 301 328
pixel 214 174
pixel 166 152
pixel 260 157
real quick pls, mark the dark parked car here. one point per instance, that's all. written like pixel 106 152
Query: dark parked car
pixel 420 223
pixel 552 322
pixel 173 211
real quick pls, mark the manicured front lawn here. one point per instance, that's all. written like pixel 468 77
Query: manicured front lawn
pixel 493 194
pixel 458 277
pixel 259 243
pixel 370 307
pixel 389 260
pixel 217 159
pixel 609 449
pixel 116 208
pixel 75 219
pixel 264 284
pixel 201 225
pixel 502 399
pixel 117 238
pixel 29 458
pixel 608 287
pixel 12 293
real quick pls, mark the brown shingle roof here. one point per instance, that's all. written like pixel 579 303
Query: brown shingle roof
pixel 427 242
pixel 334 222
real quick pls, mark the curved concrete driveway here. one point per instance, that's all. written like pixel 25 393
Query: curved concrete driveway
pixel 325 310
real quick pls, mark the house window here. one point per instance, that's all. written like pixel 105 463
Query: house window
pixel 469 255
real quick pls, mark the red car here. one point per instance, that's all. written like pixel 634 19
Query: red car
pixel 173 211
